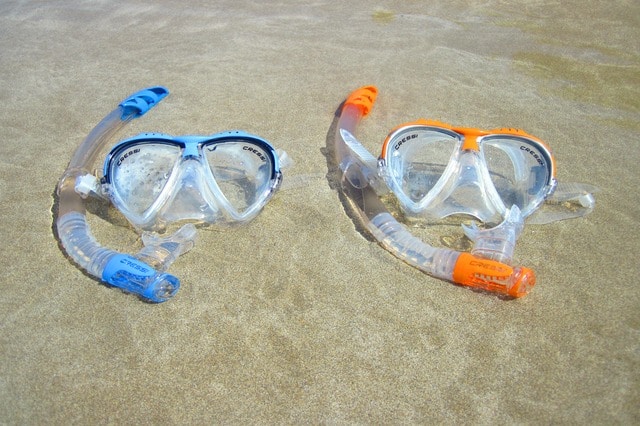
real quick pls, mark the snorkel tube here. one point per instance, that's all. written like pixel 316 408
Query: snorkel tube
pixel 362 185
pixel 133 274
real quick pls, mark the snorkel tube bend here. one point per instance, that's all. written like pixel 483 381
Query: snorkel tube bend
pixel 361 186
pixel 120 270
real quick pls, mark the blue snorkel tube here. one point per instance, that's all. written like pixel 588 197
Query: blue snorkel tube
pixel 131 273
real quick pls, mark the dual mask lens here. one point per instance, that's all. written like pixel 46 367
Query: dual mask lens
pixel 438 171
pixel 196 178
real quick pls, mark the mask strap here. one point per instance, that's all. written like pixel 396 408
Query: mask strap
pixel 569 200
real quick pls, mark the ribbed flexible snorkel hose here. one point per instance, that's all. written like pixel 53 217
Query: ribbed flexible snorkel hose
pixel 120 270
pixel 459 267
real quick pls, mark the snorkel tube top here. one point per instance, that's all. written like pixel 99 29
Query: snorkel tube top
pixel 124 271
pixel 359 184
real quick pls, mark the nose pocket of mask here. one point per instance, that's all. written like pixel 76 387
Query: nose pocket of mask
pixel 187 197
pixel 242 171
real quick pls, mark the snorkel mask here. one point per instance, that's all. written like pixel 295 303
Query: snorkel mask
pixel 434 171
pixel 156 180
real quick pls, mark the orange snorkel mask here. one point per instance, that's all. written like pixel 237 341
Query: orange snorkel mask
pixel 436 170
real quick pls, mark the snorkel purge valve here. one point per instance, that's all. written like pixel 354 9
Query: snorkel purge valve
pixel 362 185
pixel 156 180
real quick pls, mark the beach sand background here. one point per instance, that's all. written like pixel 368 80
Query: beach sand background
pixel 298 317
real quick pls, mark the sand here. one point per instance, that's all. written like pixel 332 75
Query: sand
pixel 299 317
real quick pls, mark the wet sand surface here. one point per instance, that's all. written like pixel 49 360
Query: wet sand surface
pixel 299 316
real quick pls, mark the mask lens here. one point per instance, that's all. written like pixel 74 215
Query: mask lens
pixel 519 169
pixel 419 157
pixel 139 173
pixel 242 170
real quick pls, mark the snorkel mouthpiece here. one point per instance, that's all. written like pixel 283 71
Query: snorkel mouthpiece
pixel 493 276
pixel 134 276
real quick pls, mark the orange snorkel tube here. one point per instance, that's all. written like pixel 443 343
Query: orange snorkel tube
pixel 360 184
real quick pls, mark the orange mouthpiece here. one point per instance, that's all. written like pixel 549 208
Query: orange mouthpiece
pixel 493 276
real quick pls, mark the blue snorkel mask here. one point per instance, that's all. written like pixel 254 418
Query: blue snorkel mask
pixel 156 180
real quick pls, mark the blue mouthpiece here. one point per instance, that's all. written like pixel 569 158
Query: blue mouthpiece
pixel 134 276
pixel 140 102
